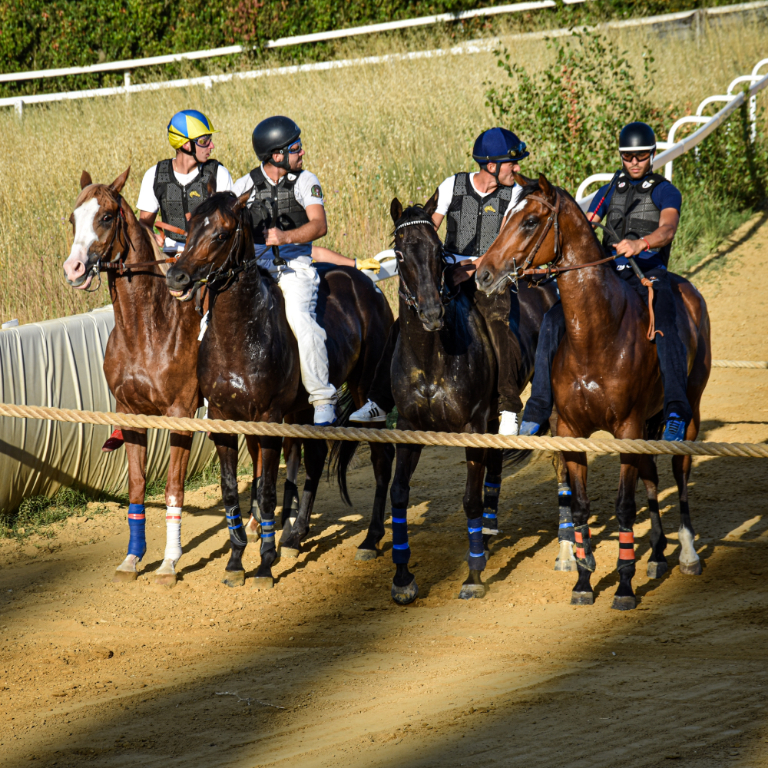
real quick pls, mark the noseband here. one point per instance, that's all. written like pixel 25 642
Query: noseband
pixel 404 292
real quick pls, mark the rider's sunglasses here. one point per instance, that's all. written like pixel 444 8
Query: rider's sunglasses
pixel 203 141
pixel 641 157
pixel 294 149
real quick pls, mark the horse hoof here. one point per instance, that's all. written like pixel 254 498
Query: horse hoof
pixel 165 579
pixel 289 552
pixel 252 538
pixel 121 577
pixel 566 565
pixel 405 595
pixel 263 582
pixel 234 578
pixel 691 569
pixel 366 554
pixel 582 598
pixel 626 603
pixel 656 569
pixel 468 591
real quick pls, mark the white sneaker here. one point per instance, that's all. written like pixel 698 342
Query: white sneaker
pixel 508 424
pixel 369 412
pixel 325 415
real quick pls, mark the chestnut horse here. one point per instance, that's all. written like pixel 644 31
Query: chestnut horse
pixel 606 373
pixel 150 362
pixel 248 367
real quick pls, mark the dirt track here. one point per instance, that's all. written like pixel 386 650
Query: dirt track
pixel 325 670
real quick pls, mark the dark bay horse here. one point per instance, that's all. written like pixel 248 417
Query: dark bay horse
pixel 248 366
pixel 151 356
pixel 444 379
pixel 606 374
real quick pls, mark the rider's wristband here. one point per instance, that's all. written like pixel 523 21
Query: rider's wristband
pixel 647 244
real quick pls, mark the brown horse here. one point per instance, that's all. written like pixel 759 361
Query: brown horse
pixel 248 367
pixel 151 358
pixel 606 374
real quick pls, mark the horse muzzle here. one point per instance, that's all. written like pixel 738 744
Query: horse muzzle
pixel 487 282
pixel 180 284
pixel 432 319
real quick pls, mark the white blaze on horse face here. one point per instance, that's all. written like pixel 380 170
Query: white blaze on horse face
pixel 85 236
pixel 519 207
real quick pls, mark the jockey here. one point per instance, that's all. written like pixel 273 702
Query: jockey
pixel 475 205
pixel 287 214
pixel 175 187
pixel 643 210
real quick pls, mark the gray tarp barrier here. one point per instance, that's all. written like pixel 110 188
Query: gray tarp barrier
pixel 58 363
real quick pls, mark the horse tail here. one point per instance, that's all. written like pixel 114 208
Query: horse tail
pixel 342 451
pixel 513 457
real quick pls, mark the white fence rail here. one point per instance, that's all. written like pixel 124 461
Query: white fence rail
pixel 207 81
pixel 673 149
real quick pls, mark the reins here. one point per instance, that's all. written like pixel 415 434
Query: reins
pixel 554 270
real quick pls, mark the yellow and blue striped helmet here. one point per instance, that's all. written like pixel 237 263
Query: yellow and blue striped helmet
pixel 188 124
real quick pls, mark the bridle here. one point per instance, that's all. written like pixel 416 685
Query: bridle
pixel 404 291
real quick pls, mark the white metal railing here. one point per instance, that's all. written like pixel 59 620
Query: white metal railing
pixel 129 64
pixel 475 46
pixel 673 149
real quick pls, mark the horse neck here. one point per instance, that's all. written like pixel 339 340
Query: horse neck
pixel 593 298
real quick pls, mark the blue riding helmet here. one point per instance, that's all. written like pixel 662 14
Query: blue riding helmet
pixel 498 145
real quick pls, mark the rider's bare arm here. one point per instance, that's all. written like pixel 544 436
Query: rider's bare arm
pixel 327 256
pixel 148 219
pixel 314 229
pixel 437 219
pixel 668 222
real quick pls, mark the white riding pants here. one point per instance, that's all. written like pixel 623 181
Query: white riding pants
pixel 299 283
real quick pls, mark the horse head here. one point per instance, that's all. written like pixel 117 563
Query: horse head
pixel 219 234
pixel 98 222
pixel 420 261
pixel 529 235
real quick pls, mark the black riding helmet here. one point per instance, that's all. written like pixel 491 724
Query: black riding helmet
pixel 637 137
pixel 275 134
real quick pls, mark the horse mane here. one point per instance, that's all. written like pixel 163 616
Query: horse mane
pixel 220 202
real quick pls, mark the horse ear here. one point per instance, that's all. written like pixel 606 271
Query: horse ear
pixel 396 209
pixel 118 184
pixel 431 205
pixel 522 180
pixel 211 186
pixel 544 185
pixel 85 180
pixel 242 201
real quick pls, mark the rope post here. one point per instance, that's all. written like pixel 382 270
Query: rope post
pixel 127 83
pixel 18 105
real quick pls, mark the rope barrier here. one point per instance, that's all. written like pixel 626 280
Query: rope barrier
pixel 458 440
pixel 740 363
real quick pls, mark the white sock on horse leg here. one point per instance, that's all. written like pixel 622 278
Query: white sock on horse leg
pixel 173 534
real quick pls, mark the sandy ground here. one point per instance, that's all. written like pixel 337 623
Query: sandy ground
pixel 325 670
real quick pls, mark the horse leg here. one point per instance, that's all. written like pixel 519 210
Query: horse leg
pixel 226 446
pixel 626 512
pixel 315 452
pixel 690 564
pixel 657 563
pixel 585 560
pixel 254 522
pixel 473 508
pixel 270 458
pixel 181 444
pixel 493 464
pixel 381 459
pixel 136 450
pixel 292 453
pixel 565 561
pixel 404 587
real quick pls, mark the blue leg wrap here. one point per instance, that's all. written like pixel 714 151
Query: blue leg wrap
pixel 401 552
pixel 565 531
pixel 490 508
pixel 476 551
pixel 267 535
pixel 137 544
pixel 235 525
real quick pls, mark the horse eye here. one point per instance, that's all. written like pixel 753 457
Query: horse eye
pixel 530 222
pixel 221 237
pixel 106 217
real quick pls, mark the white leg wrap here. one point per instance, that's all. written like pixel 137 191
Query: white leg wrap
pixel 173 534
pixel 687 550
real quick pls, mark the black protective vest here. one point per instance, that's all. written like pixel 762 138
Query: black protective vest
pixel 178 202
pixel 474 221
pixel 274 205
pixel 632 213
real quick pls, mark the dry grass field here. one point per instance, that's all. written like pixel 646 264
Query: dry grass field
pixel 371 133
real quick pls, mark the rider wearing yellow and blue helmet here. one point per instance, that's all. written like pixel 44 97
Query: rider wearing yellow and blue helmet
pixel 175 187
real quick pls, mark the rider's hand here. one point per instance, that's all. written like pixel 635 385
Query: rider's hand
pixel 630 247
pixel 159 238
pixel 275 236
pixel 370 264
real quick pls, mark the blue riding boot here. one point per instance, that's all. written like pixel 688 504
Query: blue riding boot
pixel 675 429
